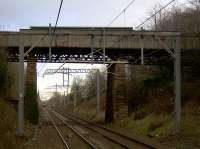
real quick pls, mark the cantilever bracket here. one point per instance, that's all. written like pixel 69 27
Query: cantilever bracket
pixel 165 46
pixel 35 44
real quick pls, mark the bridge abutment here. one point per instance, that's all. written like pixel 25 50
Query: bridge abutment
pixel 31 105
pixel 31 72
pixel 119 92
pixel 109 117
pixel 116 102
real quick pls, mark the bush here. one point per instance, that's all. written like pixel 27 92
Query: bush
pixel 160 95
pixel 152 81
pixel 135 95
pixel 8 124
pixel 31 105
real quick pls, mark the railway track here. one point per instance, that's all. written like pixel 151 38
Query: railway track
pixel 61 133
pixel 58 131
pixel 114 137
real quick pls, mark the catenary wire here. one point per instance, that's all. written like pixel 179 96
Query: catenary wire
pixel 146 20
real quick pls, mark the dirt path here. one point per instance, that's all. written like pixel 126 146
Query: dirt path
pixel 45 137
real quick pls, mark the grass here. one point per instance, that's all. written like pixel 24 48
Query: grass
pixel 161 128
pixel 8 127
pixel 88 114
pixel 156 119
pixel 87 109
pixel 191 125
pixel 154 125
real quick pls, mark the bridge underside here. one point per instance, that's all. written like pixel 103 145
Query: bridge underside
pixel 84 55
pixel 76 55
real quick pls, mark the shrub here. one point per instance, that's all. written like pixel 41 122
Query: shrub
pixel 31 105
pixel 7 125
pixel 152 81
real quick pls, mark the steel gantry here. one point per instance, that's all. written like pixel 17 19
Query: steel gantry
pixel 67 71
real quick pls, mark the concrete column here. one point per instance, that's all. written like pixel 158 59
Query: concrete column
pixel 98 107
pixel 177 72
pixel 75 96
pixel 21 93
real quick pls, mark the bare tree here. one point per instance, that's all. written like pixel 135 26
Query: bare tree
pixel 178 18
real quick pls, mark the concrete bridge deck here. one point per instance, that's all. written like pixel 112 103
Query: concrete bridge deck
pixel 75 43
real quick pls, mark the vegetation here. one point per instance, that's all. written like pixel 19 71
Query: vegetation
pixel 86 88
pixel 156 90
pixel 8 127
pixel 182 18
pixel 8 114
pixel 31 105
pixel 151 99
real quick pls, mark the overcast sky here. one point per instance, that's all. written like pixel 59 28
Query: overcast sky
pixel 24 13
pixel 74 12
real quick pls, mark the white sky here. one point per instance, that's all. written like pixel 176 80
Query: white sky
pixel 27 13
pixel 16 14
pixel 52 80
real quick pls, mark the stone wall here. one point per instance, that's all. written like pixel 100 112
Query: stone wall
pixel 116 102
pixel 120 102
pixel 31 72
pixel 31 103
pixel 120 76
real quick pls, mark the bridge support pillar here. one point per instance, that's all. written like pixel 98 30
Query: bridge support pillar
pixel 120 104
pixel 109 96
pixel 116 102
pixel 31 107
pixel 31 72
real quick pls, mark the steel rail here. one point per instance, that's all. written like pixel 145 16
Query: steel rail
pixel 58 131
pixel 75 131
pixel 75 118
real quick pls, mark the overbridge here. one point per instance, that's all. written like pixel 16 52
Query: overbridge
pixel 103 45
pixel 88 44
